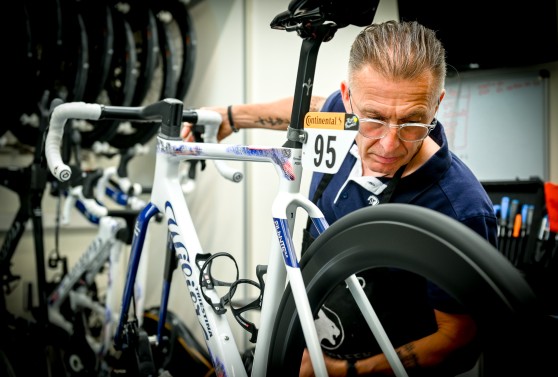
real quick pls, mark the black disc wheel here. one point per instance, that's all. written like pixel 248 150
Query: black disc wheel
pixel 426 243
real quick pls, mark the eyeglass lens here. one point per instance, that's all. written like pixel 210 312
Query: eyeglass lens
pixel 408 132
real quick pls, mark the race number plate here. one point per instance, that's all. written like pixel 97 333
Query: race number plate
pixel 329 137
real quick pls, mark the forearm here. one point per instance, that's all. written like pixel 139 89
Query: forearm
pixel 426 352
pixel 413 355
pixel 274 115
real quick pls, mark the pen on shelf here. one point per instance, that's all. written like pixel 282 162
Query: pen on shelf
pixel 517 225
pixel 544 231
pixel 525 251
pixel 530 213
pixel 504 207
pixel 518 252
pixel 497 210
pixel 514 207
pixel 514 242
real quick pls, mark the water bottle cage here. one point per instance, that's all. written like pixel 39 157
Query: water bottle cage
pixel 253 305
pixel 209 282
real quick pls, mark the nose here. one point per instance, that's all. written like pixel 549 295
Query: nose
pixel 391 141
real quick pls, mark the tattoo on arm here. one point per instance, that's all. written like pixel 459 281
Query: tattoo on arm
pixel 272 122
pixel 316 103
pixel 408 356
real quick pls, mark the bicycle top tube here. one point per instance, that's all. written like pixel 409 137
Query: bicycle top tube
pixel 282 158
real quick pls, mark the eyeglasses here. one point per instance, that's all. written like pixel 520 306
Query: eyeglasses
pixel 377 129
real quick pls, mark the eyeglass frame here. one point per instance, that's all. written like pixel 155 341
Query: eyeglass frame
pixel 429 127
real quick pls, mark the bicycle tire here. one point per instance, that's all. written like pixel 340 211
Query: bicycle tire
pixel 121 81
pixel 169 55
pixel 100 31
pixel 187 37
pixel 43 38
pixel 71 83
pixel 70 68
pixel 24 66
pixel 143 132
pixel 144 26
pixel 496 293
pixel 146 35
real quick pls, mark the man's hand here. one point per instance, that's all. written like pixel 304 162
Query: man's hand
pixel 224 129
pixel 335 367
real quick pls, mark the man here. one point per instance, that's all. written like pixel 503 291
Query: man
pixel 395 85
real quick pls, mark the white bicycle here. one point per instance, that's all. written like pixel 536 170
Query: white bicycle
pixel 292 290
pixel 76 305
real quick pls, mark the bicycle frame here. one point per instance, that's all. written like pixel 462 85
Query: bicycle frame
pixel 167 197
pixel 29 183
pixel 104 247
pixel 107 245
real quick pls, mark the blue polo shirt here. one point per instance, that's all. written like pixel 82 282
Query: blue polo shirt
pixel 444 183
pixel 403 301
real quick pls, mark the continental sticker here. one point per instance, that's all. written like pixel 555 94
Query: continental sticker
pixel 331 121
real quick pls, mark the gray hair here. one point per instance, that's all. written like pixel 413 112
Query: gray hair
pixel 400 50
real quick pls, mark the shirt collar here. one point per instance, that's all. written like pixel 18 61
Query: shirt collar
pixel 369 183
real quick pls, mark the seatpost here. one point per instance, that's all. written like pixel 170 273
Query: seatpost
pixel 305 80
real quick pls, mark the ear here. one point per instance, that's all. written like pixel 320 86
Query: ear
pixel 346 95
pixel 442 95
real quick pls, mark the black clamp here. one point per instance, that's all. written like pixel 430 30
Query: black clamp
pixel 299 136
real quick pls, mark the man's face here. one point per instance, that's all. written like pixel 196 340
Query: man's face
pixel 395 102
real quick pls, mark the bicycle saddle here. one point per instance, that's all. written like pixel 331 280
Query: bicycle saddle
pixel 340 12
